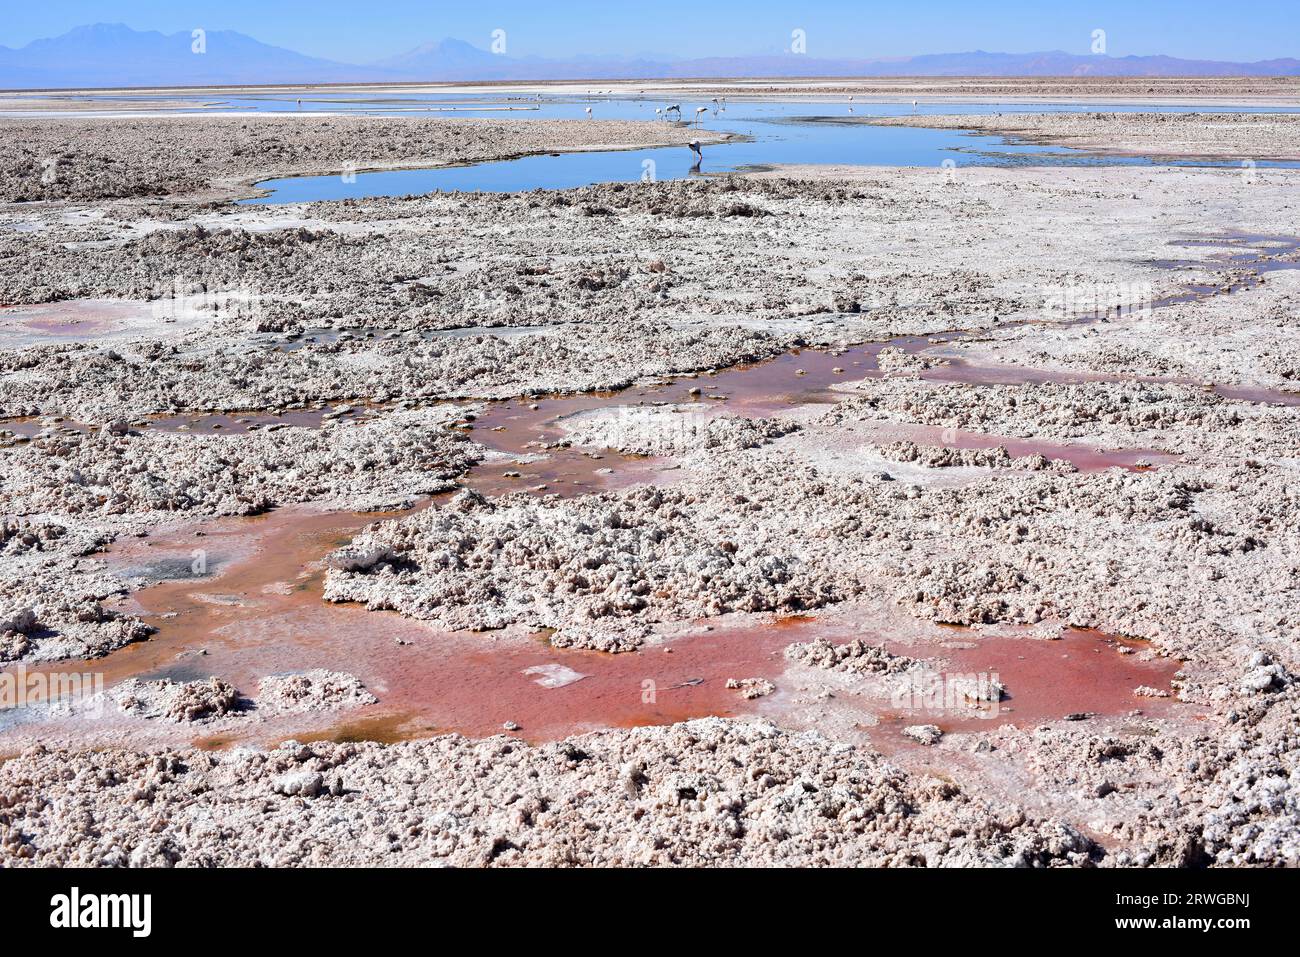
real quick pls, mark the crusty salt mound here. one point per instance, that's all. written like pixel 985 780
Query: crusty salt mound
pixel 751 688
pixel 600 569
pixel 670 430
pixel 941 456
pixel 316 690
pixel 195 701
pixel 855 656
pixel 893 359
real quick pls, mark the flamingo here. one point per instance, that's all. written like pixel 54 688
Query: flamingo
pixel 588 112
pixel 699 154
pixel 698 111
pixel 674 108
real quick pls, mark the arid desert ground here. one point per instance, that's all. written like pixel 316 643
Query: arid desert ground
pixel 803 515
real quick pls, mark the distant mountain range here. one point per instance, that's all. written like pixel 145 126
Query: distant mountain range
pixel 114 55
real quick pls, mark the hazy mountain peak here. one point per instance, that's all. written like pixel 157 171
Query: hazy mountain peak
pixel 438 57
pixel 116 55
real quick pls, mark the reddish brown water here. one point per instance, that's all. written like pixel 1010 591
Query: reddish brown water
pixel 76 320
pixel 262 613
pixel 1082 673
pixel 1083 458
pixel 527 429
pixel 93 320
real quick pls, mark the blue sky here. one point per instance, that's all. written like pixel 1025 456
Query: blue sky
pixel 360 32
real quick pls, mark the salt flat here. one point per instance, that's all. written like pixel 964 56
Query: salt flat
pixel 707 471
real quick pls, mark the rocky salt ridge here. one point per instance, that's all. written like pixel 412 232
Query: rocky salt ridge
pixel 1233 135
pixel 383 462
pixel 937 457
pixel 1182 419
pixel 704 793
pixel 93 385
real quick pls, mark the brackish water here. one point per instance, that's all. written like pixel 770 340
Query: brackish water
pixel 767 133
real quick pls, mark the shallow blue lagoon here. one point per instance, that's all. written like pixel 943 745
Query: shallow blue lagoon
pixel 767 132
